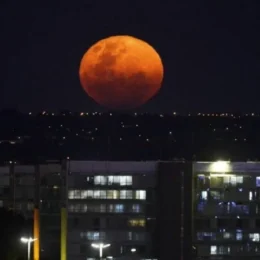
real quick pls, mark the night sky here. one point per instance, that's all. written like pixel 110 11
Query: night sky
pixel 210 51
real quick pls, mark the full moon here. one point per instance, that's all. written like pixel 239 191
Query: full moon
pixel 121 72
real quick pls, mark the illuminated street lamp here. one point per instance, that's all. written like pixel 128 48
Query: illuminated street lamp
pixel 100 246
pixel 28 241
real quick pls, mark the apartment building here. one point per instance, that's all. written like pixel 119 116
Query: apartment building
pixel 123 210
pixel 226 207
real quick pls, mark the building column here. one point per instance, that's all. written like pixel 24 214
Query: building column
pixel 36 215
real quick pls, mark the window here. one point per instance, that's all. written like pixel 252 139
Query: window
pixel 204 195
pixel 136 208
pixel 215 195
pixel 116 208
pixel 119 208
pixel 30 206
pixel 201 206
pixel 102 208
pixel 107 194
pixel 250 195
pixel 126 194
pixel 227 235
pixel 100 180
pixel 254 237
pixel 257 182
pixel 213 250
pixel 113 180
pixel 136 236
pixel 220 250
pixel 206 236
pixel 233 180
pixel 136 222
pixel 239 235
pixel 112 194
pixel 93 235
pixel 140 194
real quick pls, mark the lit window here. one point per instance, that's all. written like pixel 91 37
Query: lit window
pixel 204 195
pixel 93 235
pixel 250 195
pixel 136 222
pixel 140 195
pixel 239 236
pixel 254 237
pixel 227 235
pixel 257 181
pixel 112 194
pixel 103 194
pixel 107 194
pixel 96 194
pixel 213 250
pixel 113 180
pixel 126 194
pixel 233 180
pixel 100 180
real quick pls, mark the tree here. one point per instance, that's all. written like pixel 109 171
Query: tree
pixel 11 229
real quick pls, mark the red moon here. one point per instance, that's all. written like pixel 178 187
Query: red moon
pixel 121 72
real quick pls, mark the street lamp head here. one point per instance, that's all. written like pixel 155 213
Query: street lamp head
pixel 28 240
pixel 95 245
pixel 100 245
pixel 24 240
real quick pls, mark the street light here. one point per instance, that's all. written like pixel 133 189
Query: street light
pixel 28 241
pixel 100 246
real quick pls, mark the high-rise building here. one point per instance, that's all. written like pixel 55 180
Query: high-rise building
pixel 227 209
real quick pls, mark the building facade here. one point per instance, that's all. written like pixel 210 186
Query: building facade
pixel 142 210
pixel 76 205
pixel 226 207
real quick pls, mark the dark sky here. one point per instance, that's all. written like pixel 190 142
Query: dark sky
pixel 210 51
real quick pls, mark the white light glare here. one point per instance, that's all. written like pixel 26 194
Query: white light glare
pixel 100 246
pixel 27 240
pixel 220 166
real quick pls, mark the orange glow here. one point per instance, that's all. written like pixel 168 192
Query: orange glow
pixel 36 234
pixel 121 72
pixel 63 237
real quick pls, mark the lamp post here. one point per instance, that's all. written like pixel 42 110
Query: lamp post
pixel 28 241
pixel 100 246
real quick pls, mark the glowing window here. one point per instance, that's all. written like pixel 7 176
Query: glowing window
pixel 136 222
pixel 204 195
pixel 250 195
pixel 257 181
pixel 254 237
pixel 213 250
pixel 239 236
pixel 126 194
pixel 140 195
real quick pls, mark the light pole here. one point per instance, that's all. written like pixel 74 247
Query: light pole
pixel 100 246
pixel 28 241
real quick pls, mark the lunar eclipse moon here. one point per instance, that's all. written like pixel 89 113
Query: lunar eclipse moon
pixel 121 72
